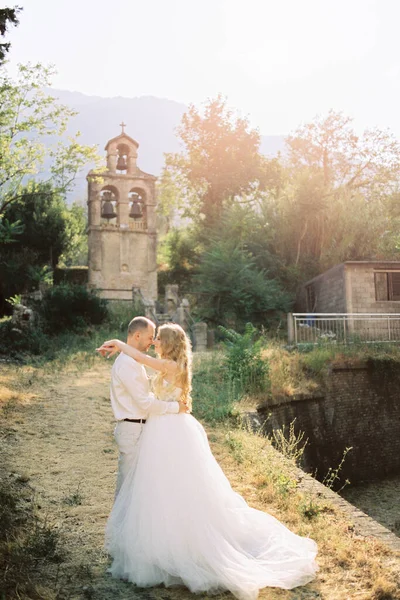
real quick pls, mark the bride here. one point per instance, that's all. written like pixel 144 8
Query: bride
pixel 176 519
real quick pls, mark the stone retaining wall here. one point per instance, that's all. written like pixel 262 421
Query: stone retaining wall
pixel 357 407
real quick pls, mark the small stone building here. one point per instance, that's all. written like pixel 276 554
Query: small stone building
pixel 122 225
pixel 353 287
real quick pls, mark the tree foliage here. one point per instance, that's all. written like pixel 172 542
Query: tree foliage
pixel 75 251
pixel 71 308
pixel 28 117
pixel 179 257
pixel 335 206
pixel 221 159
pixel 266 225
pixel 8 16
pixel 233 290
pixel 47 230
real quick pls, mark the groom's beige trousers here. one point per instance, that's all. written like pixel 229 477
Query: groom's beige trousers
pixel 127 436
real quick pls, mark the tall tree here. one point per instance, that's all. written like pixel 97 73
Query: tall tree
pixel 334 206
pixel 75 251
pixel 220 161
pixel 28 116
pixel 8 16
pixel 46 232
pixel 233 289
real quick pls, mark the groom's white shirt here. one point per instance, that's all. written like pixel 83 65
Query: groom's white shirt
pixel 130 392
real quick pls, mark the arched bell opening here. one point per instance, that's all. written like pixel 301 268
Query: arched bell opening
pixel 137 204
pixel 122 158
pixel 109 205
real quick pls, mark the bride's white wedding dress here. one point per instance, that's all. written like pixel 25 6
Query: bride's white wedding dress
pixel 176 520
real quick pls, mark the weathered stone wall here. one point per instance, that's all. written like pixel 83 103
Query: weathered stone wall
pixel 120 260
pixel 348 287
pixel 329 290
pixel 360 285
pixel 358 407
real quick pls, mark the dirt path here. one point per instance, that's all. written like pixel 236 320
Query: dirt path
pixel 63 442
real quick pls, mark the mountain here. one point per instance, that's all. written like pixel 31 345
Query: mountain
pixel 150 121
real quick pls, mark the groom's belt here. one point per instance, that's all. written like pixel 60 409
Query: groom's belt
pixel 135 420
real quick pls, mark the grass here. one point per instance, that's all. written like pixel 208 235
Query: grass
pixel 301 371
pixel 74 499
pixel 29 547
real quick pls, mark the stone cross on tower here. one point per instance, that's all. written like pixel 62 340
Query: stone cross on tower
pixel 122 224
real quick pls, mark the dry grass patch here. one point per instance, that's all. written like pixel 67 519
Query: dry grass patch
pixel 11 389
pixel 287 374
pixel 301 371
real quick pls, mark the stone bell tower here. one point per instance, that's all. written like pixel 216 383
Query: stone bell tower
pixel 122 225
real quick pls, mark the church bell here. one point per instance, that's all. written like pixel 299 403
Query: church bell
pixel 136 209
pixel 121 163
pixel 107 210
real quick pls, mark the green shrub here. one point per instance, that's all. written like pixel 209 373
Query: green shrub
pixel 234 290
pixel 29 547
pixel 70 275
pixel 21 341
pixel 72 308
pixel 121 313
pixel 246 366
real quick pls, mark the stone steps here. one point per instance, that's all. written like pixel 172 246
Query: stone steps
pixel 163 318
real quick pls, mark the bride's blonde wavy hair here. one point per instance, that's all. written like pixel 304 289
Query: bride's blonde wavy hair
pixel 175 345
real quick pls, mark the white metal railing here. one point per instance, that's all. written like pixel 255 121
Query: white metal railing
pixel 314 328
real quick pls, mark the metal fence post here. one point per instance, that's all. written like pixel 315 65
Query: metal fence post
pixel 290 328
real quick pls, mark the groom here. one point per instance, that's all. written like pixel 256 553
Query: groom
pixel 131 399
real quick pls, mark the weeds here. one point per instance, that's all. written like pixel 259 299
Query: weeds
pixel 284 484
pixel 291 445
pixel 28 546
pixel 301 370
pixel 333 474
pixel 246 367
pixel 309 508
pixel 74 499
pixel 235 447
pixel 43 544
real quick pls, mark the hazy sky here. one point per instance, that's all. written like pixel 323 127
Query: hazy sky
pixel 280 62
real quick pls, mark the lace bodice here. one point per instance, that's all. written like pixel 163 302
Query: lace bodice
pixel 169 393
